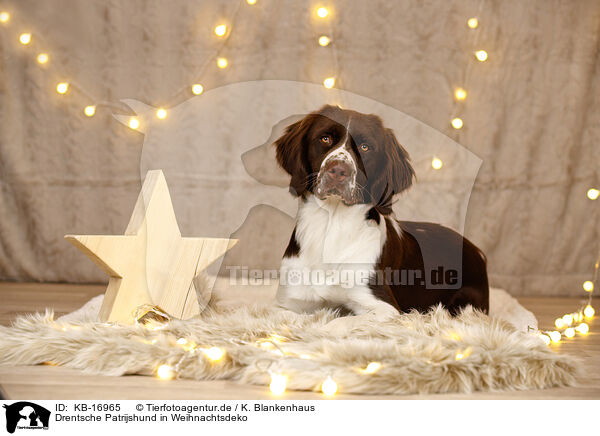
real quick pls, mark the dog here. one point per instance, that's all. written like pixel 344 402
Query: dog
pixel 346 168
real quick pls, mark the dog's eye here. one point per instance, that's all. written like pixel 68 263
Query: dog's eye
pixel 326 139
pixel 365 147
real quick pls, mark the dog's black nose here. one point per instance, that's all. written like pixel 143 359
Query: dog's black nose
pixel 338 171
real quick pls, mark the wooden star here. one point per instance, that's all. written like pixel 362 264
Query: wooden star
pixel 151 264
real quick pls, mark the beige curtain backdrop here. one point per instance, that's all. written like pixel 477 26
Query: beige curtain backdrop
pixel 532 115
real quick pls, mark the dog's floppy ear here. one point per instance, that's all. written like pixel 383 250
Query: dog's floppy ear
pixel 292 155
pixel 400 171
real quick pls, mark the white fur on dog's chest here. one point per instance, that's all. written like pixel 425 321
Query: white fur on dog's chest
pixel 337 242
pixel 329 232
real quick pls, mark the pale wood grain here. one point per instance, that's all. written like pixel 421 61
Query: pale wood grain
pixel 151 264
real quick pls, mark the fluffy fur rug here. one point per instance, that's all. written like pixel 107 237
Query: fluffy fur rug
pixel 430 353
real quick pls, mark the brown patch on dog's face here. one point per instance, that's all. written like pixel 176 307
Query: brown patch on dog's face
pixel 336 152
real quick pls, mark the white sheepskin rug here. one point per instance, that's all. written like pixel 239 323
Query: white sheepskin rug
pixel 418 353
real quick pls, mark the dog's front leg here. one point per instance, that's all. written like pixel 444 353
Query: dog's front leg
pixel 361 301
pixel 367 308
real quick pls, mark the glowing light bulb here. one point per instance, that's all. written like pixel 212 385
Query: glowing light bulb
pixel 589 311
pixel 221 30
pixel 588 286
pixel 329 82
pixel 459 356
pixel 214 353
pixel 197 88
pixel 545 338
pixel 134 123
pixel 568 319
pixel 161 114
pixel 583 328
pixel 25 38
pixel 593 193
pixel 457 123
pixel 165 372
pixel 559 323
pixel 278 383
pixel 251 2
pixel 182 341
pixel 329 387
pixel 322 12
pixel 481 55
pixel 372 367
pixel 460 94
pixel 555 336
pixel 222 62
pixel 42 58
pixel 454 336
pixel 324 41
pixel 4 17
pixel 473 23
pixel 436 163
pixel 62 87
pixel 89 111
pixel 570 332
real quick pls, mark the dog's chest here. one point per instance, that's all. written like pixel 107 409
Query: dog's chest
pixel 333 234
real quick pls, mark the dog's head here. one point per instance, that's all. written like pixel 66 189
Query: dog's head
pixel 341 153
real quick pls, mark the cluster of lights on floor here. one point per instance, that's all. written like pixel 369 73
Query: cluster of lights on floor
pixel 570 323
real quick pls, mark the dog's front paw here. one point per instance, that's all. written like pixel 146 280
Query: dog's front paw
pixel 342 325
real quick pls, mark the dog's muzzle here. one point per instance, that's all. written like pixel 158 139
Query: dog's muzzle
pixel 337 178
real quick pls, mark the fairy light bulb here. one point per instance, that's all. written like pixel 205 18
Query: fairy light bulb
pixel 583 328
pixel 436 163
pixel 588 286
pixel 329 387
pixel 4 17
pixel 457 123
pixel 460 94
pixel 559 323
pixel 322 12
pixel 214 353
pixel 324 41
pixel 165 372
pixel 25 38
pixel 278 383
pixel 89 111
pixel 182 341
pixel 589 311
pixel 161 114
pixel 473 23
pixel 251 2
pixel 197 89
pixel 570 332
pixel 221 30
pixel 329 82
pixel 545 338
pixel 593 193
pixel 372 367
pixel 568 319
pixel 42 58
pixel 481 55
pixel 555 336
pixel 134 123
pixel 222 63
pixel 62 87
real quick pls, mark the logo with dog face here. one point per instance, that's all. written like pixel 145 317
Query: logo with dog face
pixel 26 415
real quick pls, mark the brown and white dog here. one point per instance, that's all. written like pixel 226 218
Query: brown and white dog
pixel 346 167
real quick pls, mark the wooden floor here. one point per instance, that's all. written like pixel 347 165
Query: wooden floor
pixel 47 382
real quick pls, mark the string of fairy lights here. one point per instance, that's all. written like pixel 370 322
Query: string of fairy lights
pixel 567 326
